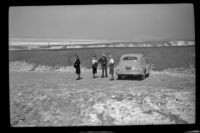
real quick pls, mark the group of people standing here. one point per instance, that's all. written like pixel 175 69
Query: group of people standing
pixel 102 61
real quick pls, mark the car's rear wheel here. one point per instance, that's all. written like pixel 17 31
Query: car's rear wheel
pixel 143 77
pixel 119 76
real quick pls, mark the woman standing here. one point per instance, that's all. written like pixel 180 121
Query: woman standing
pixel 94 66
pixel 78 68
pixel 111 65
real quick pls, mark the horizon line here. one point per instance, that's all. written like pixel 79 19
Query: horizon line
pixel 13 39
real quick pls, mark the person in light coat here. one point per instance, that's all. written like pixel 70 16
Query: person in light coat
pixel 94 66
pixel 111 66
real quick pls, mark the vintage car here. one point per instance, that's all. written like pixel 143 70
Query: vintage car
pixel 133 64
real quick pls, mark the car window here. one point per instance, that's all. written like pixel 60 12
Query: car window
pixel 130 58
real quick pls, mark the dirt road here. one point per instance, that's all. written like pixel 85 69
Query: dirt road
pixel 57 99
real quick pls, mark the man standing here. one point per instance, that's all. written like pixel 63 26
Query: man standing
pixel 77 66
pixel 103 62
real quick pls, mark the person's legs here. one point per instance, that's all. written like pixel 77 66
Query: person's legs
pixel 112 76
pixel 78 71
pixel 93 75
pixel 106 73
pixel 111 73
pixel 103 69
pixel 93 72
pixel 77 76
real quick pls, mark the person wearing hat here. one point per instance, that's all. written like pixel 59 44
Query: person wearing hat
pixel 94 66
pixel 103 62
pixel 78 68
pixel 111 66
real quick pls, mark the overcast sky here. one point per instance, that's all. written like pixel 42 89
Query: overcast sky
pixel 104 22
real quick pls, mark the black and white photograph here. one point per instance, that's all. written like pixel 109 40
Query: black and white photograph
pixel 102 65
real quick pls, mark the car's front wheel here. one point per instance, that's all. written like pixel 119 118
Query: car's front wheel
pixel 147 75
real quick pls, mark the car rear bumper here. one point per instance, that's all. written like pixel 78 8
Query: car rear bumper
pixel 129 72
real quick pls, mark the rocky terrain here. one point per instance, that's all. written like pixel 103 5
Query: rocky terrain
pixel 57 99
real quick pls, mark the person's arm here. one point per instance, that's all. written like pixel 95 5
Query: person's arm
pixel 99 61
pixel 111 62
pixel 105 60
pixel 75 64
pixel 78 62
pixel 93 61
pixel 96 63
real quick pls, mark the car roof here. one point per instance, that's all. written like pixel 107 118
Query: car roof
pixel 134 55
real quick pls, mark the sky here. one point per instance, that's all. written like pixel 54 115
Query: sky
pixel 134 22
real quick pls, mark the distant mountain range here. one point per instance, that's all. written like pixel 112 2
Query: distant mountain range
pixel 28 44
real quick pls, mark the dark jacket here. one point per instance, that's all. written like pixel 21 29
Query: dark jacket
pixel 103 61
pixel 77 66
pixel 95 65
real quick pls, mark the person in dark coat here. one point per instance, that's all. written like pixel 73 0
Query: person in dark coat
pixel 103 62
pixel 111 66
pixel 94 66
pixel 78 67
